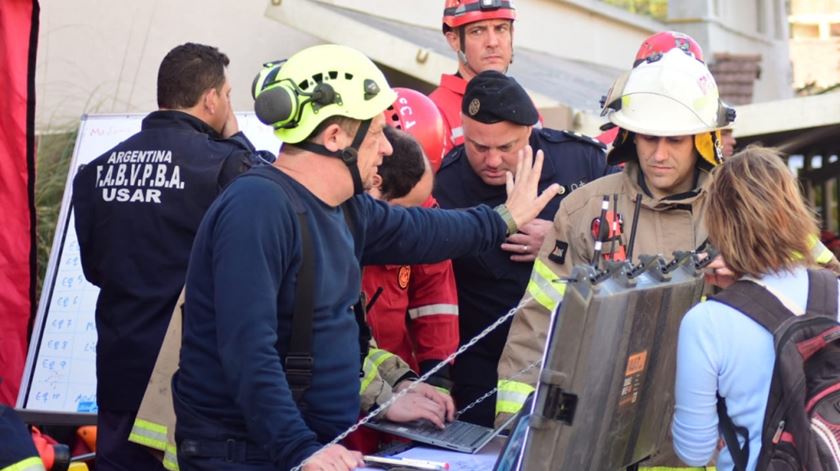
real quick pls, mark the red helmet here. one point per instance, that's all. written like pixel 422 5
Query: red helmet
pixel 461 12
pixel 664 41
pixel 418 115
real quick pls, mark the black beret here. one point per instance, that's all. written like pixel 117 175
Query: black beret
pixel 492 97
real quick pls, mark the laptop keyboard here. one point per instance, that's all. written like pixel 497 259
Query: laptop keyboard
pixel 455 432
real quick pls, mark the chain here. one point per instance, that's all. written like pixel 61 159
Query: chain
pixel 425 377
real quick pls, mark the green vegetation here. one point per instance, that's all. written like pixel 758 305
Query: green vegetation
pixel 55 150
pixel 656 9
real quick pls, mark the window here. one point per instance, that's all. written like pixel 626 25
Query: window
pixel 804 31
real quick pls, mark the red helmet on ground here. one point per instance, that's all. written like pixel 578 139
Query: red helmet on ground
pixel 664 41
pixel 418 115
pixel 461 12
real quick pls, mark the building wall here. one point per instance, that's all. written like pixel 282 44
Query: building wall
pixel 742 27
pixel 587 30
pixel 593 31
pixel 102 56
pixel 815 61
pixel 815 42
pixel 99 56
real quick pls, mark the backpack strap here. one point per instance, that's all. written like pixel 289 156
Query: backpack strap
pixel 770 310
pixel 822 293
pixel 756 302
pixel 730 433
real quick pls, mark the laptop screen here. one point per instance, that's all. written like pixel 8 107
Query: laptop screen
pixel 510 455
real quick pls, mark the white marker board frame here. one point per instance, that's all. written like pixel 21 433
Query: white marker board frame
pixel 59 377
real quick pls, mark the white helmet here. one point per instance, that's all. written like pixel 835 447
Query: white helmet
pixel 671 94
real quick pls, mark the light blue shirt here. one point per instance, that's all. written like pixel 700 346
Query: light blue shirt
pixel 721 349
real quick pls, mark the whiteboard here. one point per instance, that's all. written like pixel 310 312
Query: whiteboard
pixel 60 371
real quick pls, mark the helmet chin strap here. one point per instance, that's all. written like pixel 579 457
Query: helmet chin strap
pixel 349 155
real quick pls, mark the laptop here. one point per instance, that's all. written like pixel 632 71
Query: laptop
pixel 458 435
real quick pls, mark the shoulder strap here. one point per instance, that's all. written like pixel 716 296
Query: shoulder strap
pixel 762 306
pixel 755 302
pixel 822 293
pixel 298 361
pixel 730 434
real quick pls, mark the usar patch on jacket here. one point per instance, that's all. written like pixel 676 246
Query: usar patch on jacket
pixel 558 255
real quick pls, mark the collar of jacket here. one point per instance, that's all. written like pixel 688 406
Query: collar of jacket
pixel 178 119
pixel 454 83
pixel 632 176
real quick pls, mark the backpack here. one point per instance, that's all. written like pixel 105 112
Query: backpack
pixel 801 428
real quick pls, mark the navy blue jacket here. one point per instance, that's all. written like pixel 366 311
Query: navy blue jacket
pixel 240 297
pixel 15 441
pixel 490 284
pixel 137 208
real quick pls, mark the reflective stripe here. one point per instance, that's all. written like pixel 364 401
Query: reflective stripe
pixel 28 464
pixel 148 434
pixel 543 286
pixel 511 396
pixel 170 457
pixel 457 133
pixel 433 309
pixel 375 358
pixel 820 253
pixel 370 374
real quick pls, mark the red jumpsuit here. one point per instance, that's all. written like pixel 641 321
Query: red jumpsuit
pixel 448 98
pixel 415 316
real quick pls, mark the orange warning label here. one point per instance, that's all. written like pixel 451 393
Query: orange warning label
pixel 636 363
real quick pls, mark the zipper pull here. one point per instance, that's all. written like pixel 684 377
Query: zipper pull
pixel 778 435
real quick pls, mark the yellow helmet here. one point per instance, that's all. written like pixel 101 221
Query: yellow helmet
pixel 296 95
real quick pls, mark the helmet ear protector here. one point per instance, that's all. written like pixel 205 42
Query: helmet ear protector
pixel 280 103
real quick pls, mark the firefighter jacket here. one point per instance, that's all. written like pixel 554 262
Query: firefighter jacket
pixel 665 225
pixel 381 372
pixel 17 451
pixel 447 96
pixel 154 425
pixel 137 208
